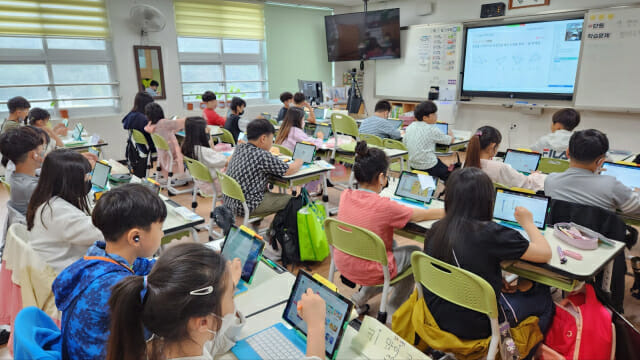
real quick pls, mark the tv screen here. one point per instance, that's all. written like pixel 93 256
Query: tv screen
pixel 373 35
pixel 535 60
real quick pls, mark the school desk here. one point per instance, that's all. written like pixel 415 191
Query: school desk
pixel 81 145
pixel 460 141
pixel 319 170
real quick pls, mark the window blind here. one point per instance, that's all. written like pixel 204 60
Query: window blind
pixel 79 18
pixel 219 19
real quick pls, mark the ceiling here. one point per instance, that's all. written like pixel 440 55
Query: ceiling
pixel 345 3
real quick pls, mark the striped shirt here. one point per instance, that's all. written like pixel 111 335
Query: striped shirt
pixel 421 139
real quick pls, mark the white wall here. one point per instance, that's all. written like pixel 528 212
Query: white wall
pixel 620 128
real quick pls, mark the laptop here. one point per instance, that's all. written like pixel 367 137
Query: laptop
pixel 629 175
pixel 410 190
pixel 305 152
pixel 443 127
pixel 506 202
pixel 325 129
pixel 289 342
pixel 243 244
pixel 523 161
pixel 319 113
pixel 100 176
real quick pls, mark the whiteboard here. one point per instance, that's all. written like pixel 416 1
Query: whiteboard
pixel 430 57
pixel 609 75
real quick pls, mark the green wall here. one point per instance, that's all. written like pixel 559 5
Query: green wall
pixel 296 47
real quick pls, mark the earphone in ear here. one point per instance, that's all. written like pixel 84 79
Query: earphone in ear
pixel 136 238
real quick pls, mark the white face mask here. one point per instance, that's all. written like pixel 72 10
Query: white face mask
pixel 221 342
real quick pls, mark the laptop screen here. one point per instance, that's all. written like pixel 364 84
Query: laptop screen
pixel 444 127
pixel 508 200
pixel 522 161
pixel 325 129
pixel 246 247
pixel 338 310
pixel 100 175
pixel 319 113
pixel 305 152
pixel 409 187
pixel 629 175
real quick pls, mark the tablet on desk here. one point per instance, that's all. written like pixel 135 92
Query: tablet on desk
pixel 410 189
pixel 507 201
pixel 305 152
pixel 325 129
pixel 443 127
pixel 319 113
pixel 100 176
pixel 629 175
pixel 246 246
pixel 523 161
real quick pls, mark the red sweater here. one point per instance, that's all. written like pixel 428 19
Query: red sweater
pixel 212 117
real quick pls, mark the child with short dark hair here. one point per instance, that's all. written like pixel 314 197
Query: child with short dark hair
pixel 40 118
pixel 554 145
pixel 130 217
pixel 378 124
pixel 233 120
pixel 18 111
pixel 286 98
pixel 209 112
pixel 300 101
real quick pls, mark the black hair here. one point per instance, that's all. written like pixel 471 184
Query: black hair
pixel 236 102
pixel 43 135
pixel 141 100
pixel 168 305
pixel 383 105
pixel 16 143
pixel 194 135
pixel 286 96
pixel 369 163
pixel 259 127
pixel 586 146
pixel 569 118
pixel 425 108
pixel 292 118
pixel 154 83
pixel 299 98
pixel 468 205
pixel 63 173
pixel 16 103
pixel 37 114
pixel 479 141
pixel 208 96
pixel 126 207
pixel 154 112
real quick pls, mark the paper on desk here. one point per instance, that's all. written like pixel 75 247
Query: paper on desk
pixel 426 182
pixel 376 341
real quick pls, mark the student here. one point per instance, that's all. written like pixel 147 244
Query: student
pixel 233 120
pixel 250 166
pixel 291 130
pixel 24 146
pixel 378 124
pixel 300 101
pixel 382 216
pixel 130 218
pixel 482 148
pixel 582 183
pixel 167 129
pixel 468 238
pixel 153 88
pixel 287 101
pixel 209 112
pixel 57 214
pixel 40 118
pixel 421 138
pixel 18 111
pixel 136 119
pixel 562 124
pixel 196 146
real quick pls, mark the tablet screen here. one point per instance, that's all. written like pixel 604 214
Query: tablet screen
pixel 508 200
pixel 100 175
pixel 522 161
pixel 305 152
pixel 325 129
pixel 443 127
pixel 628 175
pixel 409 187
pixel 246 247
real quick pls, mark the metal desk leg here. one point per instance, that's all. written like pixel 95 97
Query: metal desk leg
pixel 402 163
pixel 606 277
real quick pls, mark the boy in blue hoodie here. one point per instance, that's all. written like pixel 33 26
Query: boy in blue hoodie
pixel 130 217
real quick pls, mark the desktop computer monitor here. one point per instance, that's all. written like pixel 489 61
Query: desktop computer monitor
pixel 312 90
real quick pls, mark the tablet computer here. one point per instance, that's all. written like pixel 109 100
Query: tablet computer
pixel 241 244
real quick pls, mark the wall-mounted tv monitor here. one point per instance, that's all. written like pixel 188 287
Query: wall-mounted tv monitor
pixel 373 35
pixel 536 60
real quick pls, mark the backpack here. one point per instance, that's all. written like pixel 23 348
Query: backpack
pixel 284 231
pixel 137 164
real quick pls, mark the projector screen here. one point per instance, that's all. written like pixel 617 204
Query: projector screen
pixel 528 60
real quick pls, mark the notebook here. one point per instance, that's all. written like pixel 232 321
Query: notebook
pixel 443 127
pixel 629 175
pixel 523 161
pixel 243 244
pixel 410 189
pixel 325 129
pixel 282 342
pixel 506 202
pixel 100 176
pixel 305 152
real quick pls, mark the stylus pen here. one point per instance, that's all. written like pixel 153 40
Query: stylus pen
pixel 267 308
pixel 563 257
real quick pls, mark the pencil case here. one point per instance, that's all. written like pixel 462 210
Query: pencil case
pixel 588 241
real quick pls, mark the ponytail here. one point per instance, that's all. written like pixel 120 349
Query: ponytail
pixel 483 137
pixel 473 152
pixel 369 163
pixel 126 340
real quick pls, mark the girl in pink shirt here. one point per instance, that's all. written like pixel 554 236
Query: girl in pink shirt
pixel 291 130
pixel 365 208
pixel 167 129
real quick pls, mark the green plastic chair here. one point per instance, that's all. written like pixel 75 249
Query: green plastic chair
pixel 397 165
pixel 363 244
pixel 460 287
pixel 201 173
pixel 227 137
pixel 6 184
pixel 283 150
pixel 161 144
pixel 371 139
pixel 273 121
pixel 550 165
pixel 232 189
pixel 139 139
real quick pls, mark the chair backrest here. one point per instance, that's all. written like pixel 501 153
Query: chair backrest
pixel 550 165
pixel 273 121
pixel 230 187
pixel 138 137
pixel 160 142
pixel 283 150
pixel 344 124
pixel 454 284
pixel 198 170
pixel 393 144
pixel 36 336
pixel 355 241
pixel 227 137
pixel 372 139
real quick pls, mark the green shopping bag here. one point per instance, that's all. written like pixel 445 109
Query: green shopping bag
pixel 311 236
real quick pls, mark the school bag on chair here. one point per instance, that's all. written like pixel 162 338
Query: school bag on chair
pixel 312 239
pixel 283 232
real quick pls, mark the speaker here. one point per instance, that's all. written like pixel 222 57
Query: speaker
pixel 492 10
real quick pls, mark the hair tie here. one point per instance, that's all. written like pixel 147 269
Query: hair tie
pixel 143 293
pixel 479 133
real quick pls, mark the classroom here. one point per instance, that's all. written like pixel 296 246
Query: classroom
pixel 310 179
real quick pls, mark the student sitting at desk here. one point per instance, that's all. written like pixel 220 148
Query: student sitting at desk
pixel 468 238
pixel 382 216
pixel 167 129
pixel 556 143
pixel 25 148
pixel 378 124
pixel 18 111
pixel 291 130
pixel 483 146
pixel 300 102
pixel 286 98
pixel 58 212
pixel 233 120
pixel 136 119
pixel 130 218
pixel 209 112
pixel 421 138
pixel 40 118
pixel 583 184
pixel 250 165
pixel 196 146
